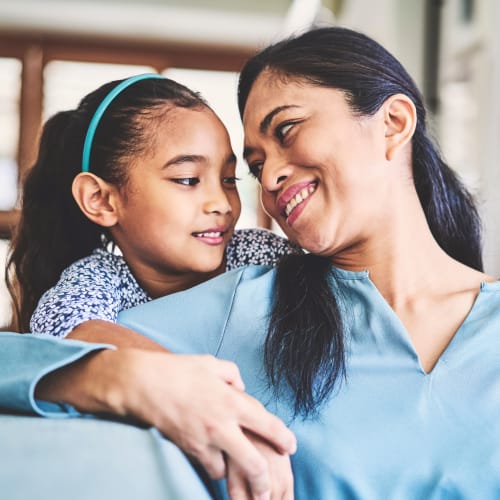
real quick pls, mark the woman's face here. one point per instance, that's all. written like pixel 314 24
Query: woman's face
pixel 321 168
pixel 180 205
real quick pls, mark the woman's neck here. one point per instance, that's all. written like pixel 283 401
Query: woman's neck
pixel 403 258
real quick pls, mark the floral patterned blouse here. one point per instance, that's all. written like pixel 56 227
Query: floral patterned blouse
pixel 101 285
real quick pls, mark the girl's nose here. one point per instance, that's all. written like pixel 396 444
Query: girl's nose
pixel 217 202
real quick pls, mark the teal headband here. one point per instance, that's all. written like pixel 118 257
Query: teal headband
pixel 87 145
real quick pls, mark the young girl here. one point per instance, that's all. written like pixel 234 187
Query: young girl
pixel 156 179
pixel 142 165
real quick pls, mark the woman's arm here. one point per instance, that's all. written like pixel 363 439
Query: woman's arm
pixel 197 401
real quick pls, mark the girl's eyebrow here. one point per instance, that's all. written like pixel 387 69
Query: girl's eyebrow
pixel 184 158
pixel 192 158
pixel 266 122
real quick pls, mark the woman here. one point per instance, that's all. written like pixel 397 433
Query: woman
pixel 379 346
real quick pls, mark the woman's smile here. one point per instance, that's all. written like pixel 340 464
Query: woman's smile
pixel 291 203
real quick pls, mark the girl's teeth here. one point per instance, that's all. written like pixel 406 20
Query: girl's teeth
pixel 210 235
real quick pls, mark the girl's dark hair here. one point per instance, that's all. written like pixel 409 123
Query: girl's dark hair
pixel 368 74
pixel 53 232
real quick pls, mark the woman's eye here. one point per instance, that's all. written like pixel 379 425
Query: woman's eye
pixel 187 181
pixel 282 130
pixel 256 169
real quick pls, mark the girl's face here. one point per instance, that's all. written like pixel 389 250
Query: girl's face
pixel 179 208
pixel 321 168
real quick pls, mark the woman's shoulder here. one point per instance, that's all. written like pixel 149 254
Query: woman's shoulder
pixel 258 247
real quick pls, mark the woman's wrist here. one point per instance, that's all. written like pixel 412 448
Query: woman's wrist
pixel 92 384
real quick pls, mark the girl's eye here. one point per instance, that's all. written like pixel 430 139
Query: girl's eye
pixel 187 181
pixel 282 130
pixel 231 181
pixel 256 169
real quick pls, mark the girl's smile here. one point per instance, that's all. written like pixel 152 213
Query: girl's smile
pixel 181 203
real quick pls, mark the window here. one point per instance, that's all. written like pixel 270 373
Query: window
pixel 10 83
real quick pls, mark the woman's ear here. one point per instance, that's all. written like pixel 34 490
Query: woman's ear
pixel 400 120
pixel 96 198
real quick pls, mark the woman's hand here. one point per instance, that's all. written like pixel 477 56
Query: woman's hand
pixel 279 468
pixel 197 401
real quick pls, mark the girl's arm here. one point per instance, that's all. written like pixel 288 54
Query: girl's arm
pixel 111 333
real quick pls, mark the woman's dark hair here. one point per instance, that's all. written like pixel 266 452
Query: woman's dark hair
pixel 368 74
pixel 53 232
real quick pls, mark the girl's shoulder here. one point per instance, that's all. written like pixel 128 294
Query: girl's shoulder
pixel 100 263
pixel 259 247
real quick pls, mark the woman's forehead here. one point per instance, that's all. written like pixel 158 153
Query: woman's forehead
pixel 270 93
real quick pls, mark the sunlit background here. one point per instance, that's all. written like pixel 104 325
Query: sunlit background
pixel 451 48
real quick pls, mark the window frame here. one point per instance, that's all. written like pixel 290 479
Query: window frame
pixel 36 51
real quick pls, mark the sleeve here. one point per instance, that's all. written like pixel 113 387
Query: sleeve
pixel 188 322
pixel 25 359
pixel 86 290
pixel 258 247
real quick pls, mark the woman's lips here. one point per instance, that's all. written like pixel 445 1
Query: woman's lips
pixel 292 201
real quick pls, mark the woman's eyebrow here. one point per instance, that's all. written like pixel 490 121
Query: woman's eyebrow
pixel 266 121
pixel 264 124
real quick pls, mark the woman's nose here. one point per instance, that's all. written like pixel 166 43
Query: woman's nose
pixel 274 174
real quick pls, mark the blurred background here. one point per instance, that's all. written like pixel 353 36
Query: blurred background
pixel 52 52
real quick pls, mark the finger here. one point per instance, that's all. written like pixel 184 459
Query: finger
pixel 213 461
pixel 237 486
pixel 258 420
pixel 227 371
pixel 252 464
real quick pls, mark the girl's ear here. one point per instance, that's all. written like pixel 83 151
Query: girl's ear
pixel 96 198
pixel 400 120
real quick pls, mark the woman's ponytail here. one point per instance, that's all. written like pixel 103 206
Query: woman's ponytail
pixel 305 343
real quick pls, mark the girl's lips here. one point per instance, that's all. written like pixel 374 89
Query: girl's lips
pixel 213 236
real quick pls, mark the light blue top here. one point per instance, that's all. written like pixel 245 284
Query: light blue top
pixel 77 458
pixel 25 359
pixel 392 431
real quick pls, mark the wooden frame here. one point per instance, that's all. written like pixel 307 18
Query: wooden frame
pixel 35 51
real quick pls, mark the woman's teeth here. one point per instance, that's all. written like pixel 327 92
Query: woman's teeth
pixel 299 198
